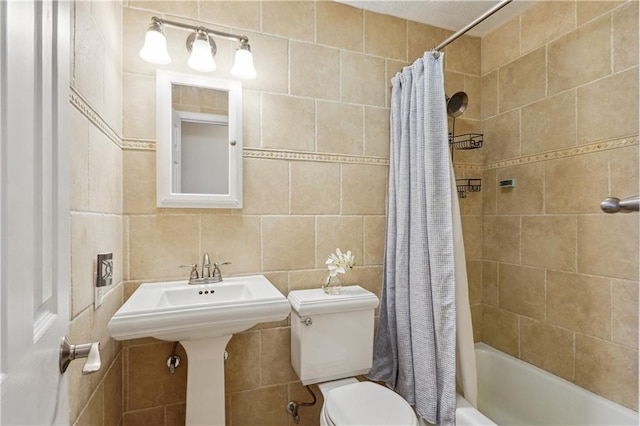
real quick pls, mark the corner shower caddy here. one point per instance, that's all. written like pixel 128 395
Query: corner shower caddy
pixel 456 105
pixel 466 141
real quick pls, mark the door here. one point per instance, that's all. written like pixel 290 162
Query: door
pixel 34 209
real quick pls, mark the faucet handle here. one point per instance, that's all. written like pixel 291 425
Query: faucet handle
pixel 217 275
pixel 193 275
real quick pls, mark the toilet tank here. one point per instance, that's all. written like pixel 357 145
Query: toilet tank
pixel 331 335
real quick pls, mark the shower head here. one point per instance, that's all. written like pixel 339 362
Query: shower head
pixel 457 103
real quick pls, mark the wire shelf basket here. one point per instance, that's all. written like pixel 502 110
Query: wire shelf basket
pixel 468 185
pixel 466 141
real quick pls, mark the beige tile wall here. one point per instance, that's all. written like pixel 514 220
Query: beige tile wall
pixel 322 88
pixel 96 204
pixel 560 115
pixel 532 246
pixel 199 99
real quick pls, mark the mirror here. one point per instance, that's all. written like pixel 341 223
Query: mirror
pixel 198 141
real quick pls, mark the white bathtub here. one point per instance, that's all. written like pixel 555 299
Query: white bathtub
pixel 513 392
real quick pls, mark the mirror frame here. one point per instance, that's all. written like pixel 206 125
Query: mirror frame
pixel 164 132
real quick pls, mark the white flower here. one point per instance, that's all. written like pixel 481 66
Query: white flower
pixel 339 263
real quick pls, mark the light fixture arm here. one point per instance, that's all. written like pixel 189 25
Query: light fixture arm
pixel 180 25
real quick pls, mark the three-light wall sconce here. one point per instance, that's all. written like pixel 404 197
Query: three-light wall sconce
pixel 200 44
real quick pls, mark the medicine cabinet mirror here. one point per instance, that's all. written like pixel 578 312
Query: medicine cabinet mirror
pixel 198 141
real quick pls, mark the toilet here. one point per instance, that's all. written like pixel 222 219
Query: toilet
pixel 331 343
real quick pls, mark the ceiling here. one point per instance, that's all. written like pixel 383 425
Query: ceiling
pixel 449 14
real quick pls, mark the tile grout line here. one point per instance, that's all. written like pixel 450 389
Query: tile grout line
pixel 611 309
pixel 289 185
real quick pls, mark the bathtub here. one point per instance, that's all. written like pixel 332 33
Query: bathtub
pixel 513 392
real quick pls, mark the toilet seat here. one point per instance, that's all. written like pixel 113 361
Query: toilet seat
pixel 366 403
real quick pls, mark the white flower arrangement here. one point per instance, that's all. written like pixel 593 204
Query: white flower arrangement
pixel 340 263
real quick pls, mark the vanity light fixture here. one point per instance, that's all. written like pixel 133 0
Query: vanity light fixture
pixel 155 45
pixel 202 48
pixel 200 44
pixel 243 63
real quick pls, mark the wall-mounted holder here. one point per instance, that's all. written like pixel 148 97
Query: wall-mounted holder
pixel 615 205
pixel 104 277
pixel 507 183
pixel 466 141
pixel 455 107
pixel 468 185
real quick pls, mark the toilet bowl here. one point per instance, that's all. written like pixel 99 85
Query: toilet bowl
pixel 363 403
pixel 331 343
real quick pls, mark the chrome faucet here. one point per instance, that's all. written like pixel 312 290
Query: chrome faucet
pixel 206 266
pixel 208 276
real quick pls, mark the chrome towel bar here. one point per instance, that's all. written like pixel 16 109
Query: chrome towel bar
pixel 615 205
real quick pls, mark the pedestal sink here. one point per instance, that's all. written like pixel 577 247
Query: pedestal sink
pixel 202 317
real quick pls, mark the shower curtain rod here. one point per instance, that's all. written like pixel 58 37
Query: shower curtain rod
pixel 461 32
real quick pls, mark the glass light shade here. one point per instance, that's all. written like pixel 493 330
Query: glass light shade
pixel 243 64
pixel 154 49
pixel 201 58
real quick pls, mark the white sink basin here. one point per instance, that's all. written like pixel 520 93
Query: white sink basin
pixel 202 317
pixel 179 311
pixel 191 296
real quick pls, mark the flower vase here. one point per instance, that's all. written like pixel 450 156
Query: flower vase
pixel 331 285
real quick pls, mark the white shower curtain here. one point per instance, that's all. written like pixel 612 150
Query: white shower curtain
pixel 415 347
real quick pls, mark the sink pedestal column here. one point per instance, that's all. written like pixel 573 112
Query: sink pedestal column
pixel 205 380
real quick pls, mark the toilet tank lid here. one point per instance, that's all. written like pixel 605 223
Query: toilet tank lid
pixel 316 301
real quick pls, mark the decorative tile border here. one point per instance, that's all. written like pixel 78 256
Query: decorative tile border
pixel 139 144
pixel 312 156
pixel 468 167
pixel 274 154
pixel 568 152
pixel 83 106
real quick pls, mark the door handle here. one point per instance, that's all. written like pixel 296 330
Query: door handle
pixel 69 352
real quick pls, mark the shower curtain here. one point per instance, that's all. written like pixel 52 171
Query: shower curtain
pixel 424 272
